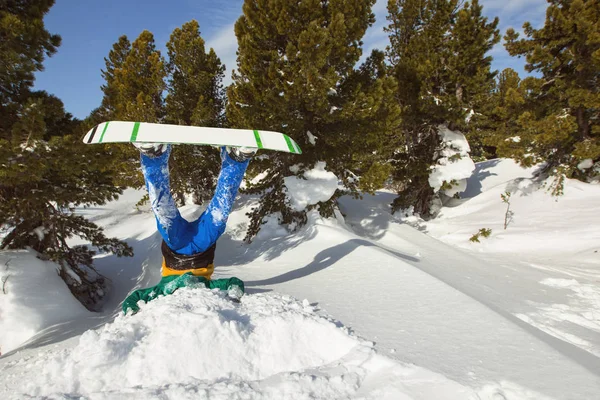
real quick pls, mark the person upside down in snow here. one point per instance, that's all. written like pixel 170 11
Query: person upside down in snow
pixel 188 248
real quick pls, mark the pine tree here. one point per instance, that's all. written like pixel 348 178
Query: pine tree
pixel 560 125
pixel 116 58
pixel 195 97
pixel 495 124
pixel 296 74
pixel 24 43
pixel 472 37
pixel 135 82
pixel 46 171
pixel 30 126
pixel 140 82
pixel 417 33
pixel 437 52
pixel 41 184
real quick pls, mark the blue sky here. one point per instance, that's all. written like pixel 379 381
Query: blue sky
pixel 89 29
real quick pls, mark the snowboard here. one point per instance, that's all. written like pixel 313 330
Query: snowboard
pixel 140 132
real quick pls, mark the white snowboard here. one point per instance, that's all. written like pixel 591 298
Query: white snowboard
pixel 140 132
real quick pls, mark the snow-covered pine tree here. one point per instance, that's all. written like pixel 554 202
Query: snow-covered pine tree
pixel 195 97
pixel 560 125
pixel 438 55
pixel 296 74
pixel 46 170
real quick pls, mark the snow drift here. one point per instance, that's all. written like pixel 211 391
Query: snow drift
pixel 197 344
pixel 32 297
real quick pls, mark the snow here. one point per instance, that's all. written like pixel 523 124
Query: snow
pixel 217 215
pixel 271 228
pixel 582 310
pixel 454 163
pixel 538 224
pixel 585 164
pixel 318 185
pixel 368 306
pixel 489 174
pixel 40 233
pixel 270 347
pixel 469 116
pixel 312 139
pixel 550 245
pixel 32 297
pixel 454 141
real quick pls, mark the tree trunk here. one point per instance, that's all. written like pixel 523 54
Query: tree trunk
pixel 583 125
pixel 459 93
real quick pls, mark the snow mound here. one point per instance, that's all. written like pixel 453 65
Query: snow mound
pixel 318 185
pixel 540 224
pixel 32 297
pixel 197 344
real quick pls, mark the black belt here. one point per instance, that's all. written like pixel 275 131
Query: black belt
pixel 182 262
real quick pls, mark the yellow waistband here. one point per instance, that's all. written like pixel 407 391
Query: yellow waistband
pixel 205 272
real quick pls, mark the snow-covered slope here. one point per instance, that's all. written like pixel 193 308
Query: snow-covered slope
pixel 456 311
pixel 26 285
pixel 541 226
pixel 550 248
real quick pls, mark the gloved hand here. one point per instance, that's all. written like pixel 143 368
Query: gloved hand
pixel 169 284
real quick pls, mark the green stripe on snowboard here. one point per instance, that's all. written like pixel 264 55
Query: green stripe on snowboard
pixel 258 140
pixel 289 143
pixel 103 132
pixel 136 128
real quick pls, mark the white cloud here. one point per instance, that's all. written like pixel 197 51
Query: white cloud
pixel 508 7
pixel 375 37
pixel 224 42
pixel 513 13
